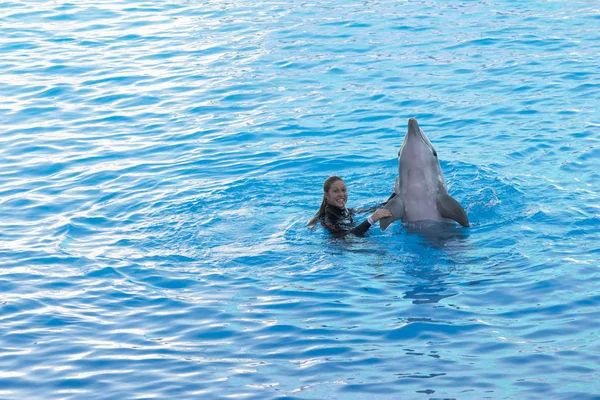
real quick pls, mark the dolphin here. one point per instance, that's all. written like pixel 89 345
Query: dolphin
pixel 421 190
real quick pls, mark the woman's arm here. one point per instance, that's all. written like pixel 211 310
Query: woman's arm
pixel 341 227
pixel 361 229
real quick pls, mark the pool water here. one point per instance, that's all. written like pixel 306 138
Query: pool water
pixel 160 160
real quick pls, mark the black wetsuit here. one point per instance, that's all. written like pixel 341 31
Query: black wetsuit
pixel 340 221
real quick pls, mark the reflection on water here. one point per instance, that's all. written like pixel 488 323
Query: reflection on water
pixel 447 236
pixel 433 292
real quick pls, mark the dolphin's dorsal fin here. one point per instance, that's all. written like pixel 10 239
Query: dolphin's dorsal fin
pixel 396 206
pixel 451 209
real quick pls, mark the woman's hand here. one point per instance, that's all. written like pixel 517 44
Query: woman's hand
pixel 380 213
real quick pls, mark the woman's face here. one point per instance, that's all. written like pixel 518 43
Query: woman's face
pixel 337 194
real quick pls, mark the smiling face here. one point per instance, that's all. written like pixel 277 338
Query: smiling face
pixel 337 195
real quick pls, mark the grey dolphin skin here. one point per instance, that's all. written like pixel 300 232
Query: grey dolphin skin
pixel 422 191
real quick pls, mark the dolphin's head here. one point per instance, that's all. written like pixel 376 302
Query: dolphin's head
pixel 418 165
pixel 422 193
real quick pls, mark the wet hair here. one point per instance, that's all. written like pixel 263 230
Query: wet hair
pixel 321 213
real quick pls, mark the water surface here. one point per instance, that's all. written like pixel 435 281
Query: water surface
pixel 160 161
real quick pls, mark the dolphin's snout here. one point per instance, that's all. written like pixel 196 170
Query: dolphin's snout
pixel 412 123
pixel 413 126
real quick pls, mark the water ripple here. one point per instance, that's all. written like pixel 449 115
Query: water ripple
pixel 160 162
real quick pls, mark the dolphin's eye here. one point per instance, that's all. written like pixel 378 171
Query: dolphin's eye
pixel 435 154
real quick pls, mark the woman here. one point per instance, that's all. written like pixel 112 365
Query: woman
pixel 334 215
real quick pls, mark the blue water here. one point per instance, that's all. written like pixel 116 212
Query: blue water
pixel 159 161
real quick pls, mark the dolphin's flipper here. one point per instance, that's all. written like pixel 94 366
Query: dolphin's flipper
pixel 451 209
pixel 396 206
